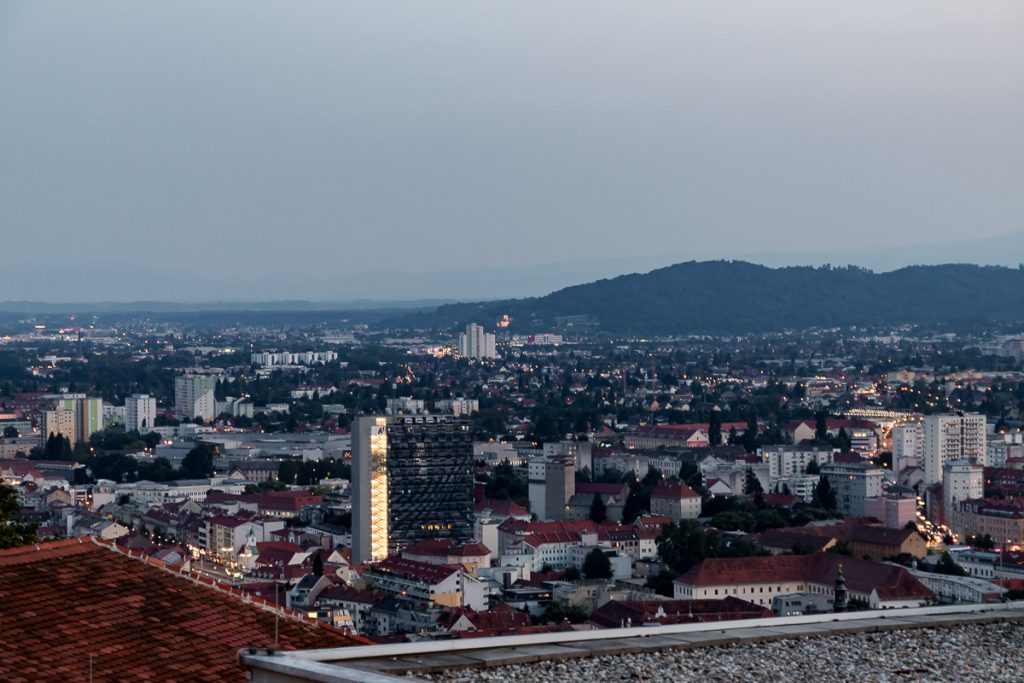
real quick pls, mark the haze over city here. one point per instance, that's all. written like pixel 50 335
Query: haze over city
pixel 333 151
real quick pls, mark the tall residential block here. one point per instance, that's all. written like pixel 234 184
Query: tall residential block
pixel 412 480
pixel 76 416
pixel 854 484
pixel 59 421
pixel 476 343
pixel 951 437
pixel 139 413
pixel 194 397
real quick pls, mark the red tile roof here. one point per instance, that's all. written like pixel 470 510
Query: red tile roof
pixel 675 490
pixel 501 619
pixel 431 573
pixel 66 600
pixel 506 508
pixel 613 613
pixel 341 593
pixel 546 537
pixel 446 547
pixel 862 576
pixel 845 531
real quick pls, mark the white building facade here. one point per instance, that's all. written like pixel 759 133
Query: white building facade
pixel 139 413
pixel 476 343
pixel 194 397
pixel 951 437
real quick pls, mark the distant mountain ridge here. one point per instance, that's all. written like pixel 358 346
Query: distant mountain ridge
pixel 300 305
pixel 735 297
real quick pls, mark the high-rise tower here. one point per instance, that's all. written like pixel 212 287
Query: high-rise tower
pixel 412 480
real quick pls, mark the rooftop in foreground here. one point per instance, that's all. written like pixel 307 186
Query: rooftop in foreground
pixel 80 609
pixel 582 655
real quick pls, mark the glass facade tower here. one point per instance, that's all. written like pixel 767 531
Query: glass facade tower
pixel 412 480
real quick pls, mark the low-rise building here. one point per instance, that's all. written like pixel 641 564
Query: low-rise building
pixel 674 499
pixel 1002 520
pixel 444 585
pixel 762 579
pixel 470 556
pixel 960 588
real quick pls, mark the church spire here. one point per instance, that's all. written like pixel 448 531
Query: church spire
pixel 839 603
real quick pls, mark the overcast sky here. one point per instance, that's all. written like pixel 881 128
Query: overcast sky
pixel 253 150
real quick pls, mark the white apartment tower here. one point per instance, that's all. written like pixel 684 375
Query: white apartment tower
pixel 951 437
pixel 476 343
pixel 961 480
pixel 906 446
pixel 139 413
pixel 194 397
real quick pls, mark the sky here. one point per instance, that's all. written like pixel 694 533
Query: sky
pixel 197 151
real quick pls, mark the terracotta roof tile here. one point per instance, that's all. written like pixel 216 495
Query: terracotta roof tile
pixel 67 600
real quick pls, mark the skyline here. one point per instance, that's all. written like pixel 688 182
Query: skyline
pixel 283 154
pixel 393 289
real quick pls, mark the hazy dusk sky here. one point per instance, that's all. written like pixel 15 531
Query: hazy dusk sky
pixel 255 150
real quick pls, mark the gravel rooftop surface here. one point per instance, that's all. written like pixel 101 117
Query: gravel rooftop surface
pixel 975 652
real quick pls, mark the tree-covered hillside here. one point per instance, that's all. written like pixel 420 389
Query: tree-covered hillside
pixel 738 297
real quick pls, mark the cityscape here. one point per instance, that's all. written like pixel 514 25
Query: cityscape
pixel 381 342
pixel 483 483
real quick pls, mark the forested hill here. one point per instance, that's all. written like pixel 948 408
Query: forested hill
pixel 734 297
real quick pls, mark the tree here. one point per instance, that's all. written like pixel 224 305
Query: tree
pixel 571 574
pixel 843 440
pixel 116 467
pixel 824 496
pixel 947 565
pixel 318 565
pixel 715 428
pixel 598 510
pixel 905 559
pixel 596 565
pixel 558 613
pixel 11 432
pixel 985 542
pixel 690 473
pixel 813 467
pixel 752 485
pixel 821 426
pixel 160 469
pixel 198 463
pixel 749 439
pixel 662 582
pixel 57 447
pixel 733 521
pixel 685 545
pixel 633 507
pixel 13 533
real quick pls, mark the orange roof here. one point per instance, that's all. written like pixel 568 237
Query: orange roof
pixel 674 489
pixel 861 575
pixel 138 619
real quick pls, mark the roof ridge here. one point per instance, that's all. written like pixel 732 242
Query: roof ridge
pixel 25 553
